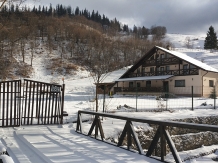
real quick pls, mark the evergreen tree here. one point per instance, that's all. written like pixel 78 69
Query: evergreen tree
pixel 69 10
pixel 211 39
pixel 125 28
pixel 77 11
pixel 50 10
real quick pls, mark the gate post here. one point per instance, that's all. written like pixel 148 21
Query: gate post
pixel 62 103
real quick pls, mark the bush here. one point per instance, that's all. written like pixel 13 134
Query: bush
pixel 213 94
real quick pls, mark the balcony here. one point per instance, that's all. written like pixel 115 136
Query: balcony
pixel 138 89
pixel 163 61
pixel 182 72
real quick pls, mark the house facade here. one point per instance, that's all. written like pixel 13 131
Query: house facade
pixel 163 70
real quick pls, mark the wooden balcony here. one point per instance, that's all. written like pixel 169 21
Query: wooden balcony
pixel 138 89
pixel 182 72
pixel 163 61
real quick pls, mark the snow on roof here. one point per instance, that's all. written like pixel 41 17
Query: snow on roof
pixel 146 78
pixel 189 59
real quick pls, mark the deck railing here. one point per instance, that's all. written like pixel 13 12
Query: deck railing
pixel 182 72
pixel 138 89
pixel 161 133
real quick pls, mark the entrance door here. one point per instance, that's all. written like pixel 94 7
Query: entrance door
pixel 166 86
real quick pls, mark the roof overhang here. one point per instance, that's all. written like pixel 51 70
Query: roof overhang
pixel 163 77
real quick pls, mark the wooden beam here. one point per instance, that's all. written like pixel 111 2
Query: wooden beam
pixel 130 132
pixel 97 124
pixel 79 123
pixel 92 127
pixel 122 135
pixel 153 143
pixel 172 147
pixel 136 140
pixel 162 143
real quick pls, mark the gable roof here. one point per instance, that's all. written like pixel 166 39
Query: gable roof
pixel 174 53
pixel 189 60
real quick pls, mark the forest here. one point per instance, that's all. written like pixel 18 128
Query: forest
pixel 76 37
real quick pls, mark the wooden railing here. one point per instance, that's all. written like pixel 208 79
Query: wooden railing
pixel 181 72
pixel 163 61
pixel 161 133
pixel 138 89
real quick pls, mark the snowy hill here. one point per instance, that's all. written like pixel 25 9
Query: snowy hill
pixel 179 40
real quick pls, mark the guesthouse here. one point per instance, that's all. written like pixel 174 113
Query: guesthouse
pixel 164 70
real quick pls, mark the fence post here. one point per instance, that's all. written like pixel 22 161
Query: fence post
pixel 167 95
pixel 214 90
pixel 104 99
pixel 136 97
pixel 62 103
pixel 192 99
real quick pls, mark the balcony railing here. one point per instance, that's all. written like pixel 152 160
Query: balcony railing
pixel 163 61
pixel 181 72
pixel 138 89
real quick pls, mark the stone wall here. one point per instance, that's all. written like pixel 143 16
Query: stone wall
pixel 185 139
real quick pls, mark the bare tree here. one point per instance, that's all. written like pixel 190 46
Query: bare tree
pixel 99 63
pixel 189 43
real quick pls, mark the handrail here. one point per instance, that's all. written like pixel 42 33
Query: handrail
pixel 128 130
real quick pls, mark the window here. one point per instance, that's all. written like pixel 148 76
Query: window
pixel 167 68
pixel 143 70
pixel 138 71
pixel 179 83
pixel 211 84
pixel 162 56
pixel 151 69
pixel 192 66
pixel 185 69
pixel 161 68
pixel 130 84
pixel 167 55
pixel 148 83
pixel 138 84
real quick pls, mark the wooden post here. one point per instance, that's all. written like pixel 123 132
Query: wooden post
pixel 192 99
pixel 214 90
pixel 62 103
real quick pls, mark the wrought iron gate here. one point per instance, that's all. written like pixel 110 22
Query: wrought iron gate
pixel 36 103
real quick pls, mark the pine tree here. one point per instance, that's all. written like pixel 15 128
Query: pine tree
pixel 211 39
pixel 77 11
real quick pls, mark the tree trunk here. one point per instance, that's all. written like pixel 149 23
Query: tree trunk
pixel 96 97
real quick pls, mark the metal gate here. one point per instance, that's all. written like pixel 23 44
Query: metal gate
pixel 36 103
pixel 10 103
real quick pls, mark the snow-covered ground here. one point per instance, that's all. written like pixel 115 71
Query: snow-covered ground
pixel 60 143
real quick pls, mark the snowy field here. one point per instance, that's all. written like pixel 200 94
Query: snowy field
pixel 60 143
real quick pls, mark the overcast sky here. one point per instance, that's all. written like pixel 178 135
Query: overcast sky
pixel 178 16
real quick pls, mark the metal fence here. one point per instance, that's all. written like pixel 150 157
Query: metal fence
pixel 185 98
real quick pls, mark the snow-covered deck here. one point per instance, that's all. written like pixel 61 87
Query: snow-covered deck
pixel 47 144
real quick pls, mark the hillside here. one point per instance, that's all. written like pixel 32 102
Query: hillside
pixel 80 92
